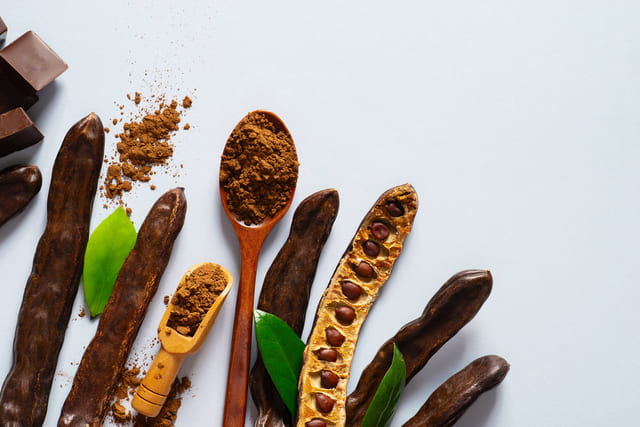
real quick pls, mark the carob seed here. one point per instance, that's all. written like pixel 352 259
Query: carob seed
pixel 328 379
pixel 395 209
pixel 371 248
pixel 324 402
pixel 328 355
pixel 345 314
pixel 380 231
pixel 334 337
pixel 316 422
pixel 351 290
pixel 364 270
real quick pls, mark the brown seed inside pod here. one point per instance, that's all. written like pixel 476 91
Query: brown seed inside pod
pixel 345 315
pixel 328 355
pixel 379 230
pixel 334 337
pixel 324 402
pixel 328 379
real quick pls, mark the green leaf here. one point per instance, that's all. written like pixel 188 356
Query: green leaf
pixel 281 350
pixel 385 401
pixel 107 248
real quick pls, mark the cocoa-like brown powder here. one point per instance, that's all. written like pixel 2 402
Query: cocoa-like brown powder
pixel 143 144
pixel 259 169
pixel 169 412
pixel 194 297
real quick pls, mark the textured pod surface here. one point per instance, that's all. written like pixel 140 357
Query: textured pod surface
pixel 18 185
pixel 102 363
pixel 368 270
pixel 286 288
pixel 53 283
pixel 452 307
pixel 449 401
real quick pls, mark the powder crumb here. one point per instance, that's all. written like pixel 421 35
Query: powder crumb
pixel 128 211
pixel 186 102
pixel 144 143
pixel 153 187
pixel 166 299
pixel 187 126
pixel 82 312
pixel 114 121
pixel 169 412
pixel 107 130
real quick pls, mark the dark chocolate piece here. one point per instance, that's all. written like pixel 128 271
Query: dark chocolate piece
pixel 34 60
pixel 3 31
pixel 14 91
pixel 17 131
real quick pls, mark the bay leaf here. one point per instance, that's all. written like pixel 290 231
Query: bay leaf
pixel 385 402
pixel 107 249
pixel 281 350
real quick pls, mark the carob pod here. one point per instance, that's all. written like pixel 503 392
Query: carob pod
pixel 449 401
pixel 53 283
pixel 452 307
pixel 285 292
pixel 102 363
pixel 18 185
pixel 361 272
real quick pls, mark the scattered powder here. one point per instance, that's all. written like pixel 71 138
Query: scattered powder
pixel 129 382
pixel 169 412
pixel 194 297
pixel 144 143
pixel 82 312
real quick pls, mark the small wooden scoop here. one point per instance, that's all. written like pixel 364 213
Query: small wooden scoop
pixel 153 391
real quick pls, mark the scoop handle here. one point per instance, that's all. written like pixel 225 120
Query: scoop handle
pixel 155 387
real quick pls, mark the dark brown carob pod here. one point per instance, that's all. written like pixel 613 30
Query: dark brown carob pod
pixel 449 401
pixel 354 287
pixel 53 283
pixel 286 288
pixel 102 363
pixel 18 185
pixel 452 307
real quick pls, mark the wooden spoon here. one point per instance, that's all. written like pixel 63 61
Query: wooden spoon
pixel 251 239
pixel 153 391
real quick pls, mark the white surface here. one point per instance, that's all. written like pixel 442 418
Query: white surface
pixel 517 123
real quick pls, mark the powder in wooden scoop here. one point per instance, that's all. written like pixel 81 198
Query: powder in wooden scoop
pixel 194 298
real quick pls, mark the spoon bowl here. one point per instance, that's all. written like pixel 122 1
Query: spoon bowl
pixel 251 239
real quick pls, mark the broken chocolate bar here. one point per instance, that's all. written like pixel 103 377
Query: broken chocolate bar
pixel 17 131
pixel 34 60
pixel 3 32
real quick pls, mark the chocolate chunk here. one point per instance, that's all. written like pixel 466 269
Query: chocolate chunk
pixel 34 60
pixel 328 355
pixel 17 131
pixel 351 290
pixel 14 91
pixel 3 31
pixel 371 248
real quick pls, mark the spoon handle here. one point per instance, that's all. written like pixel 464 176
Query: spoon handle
pixel 236 398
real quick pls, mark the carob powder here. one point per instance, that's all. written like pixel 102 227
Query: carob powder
pixel 145 142
pixel 259 169
pixel 194 298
